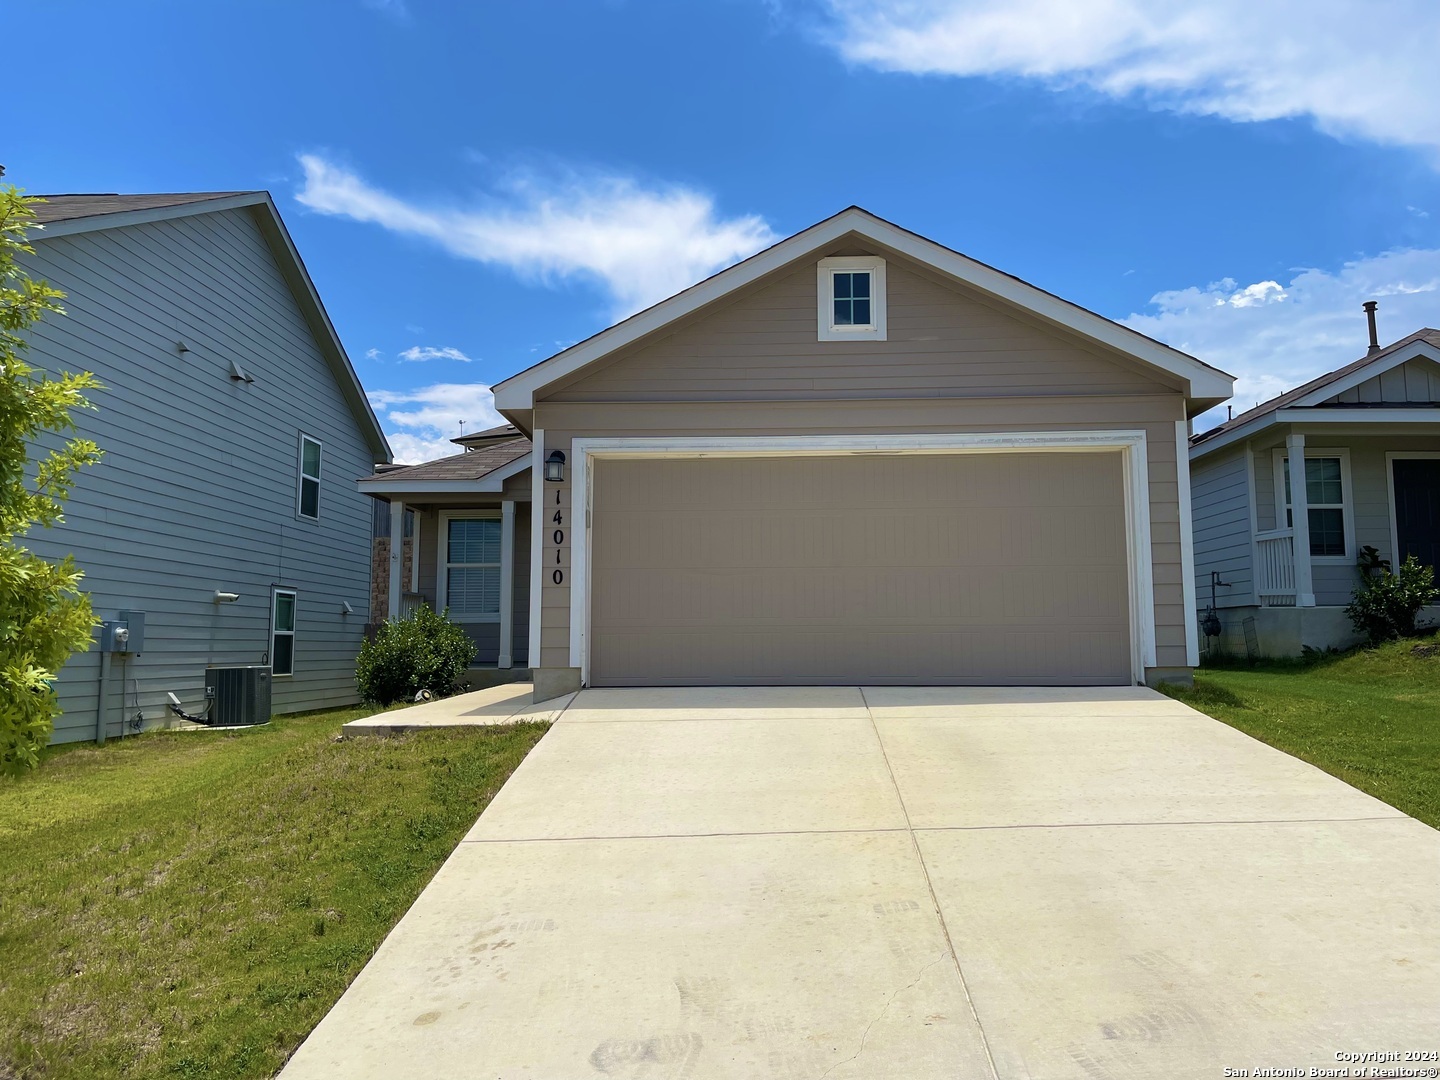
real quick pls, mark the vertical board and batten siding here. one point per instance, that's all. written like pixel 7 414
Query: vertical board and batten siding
pixel 1416 380
pixel 197 490
pixel 1220 518
pixel 952 363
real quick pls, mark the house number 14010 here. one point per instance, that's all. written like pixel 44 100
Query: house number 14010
pixel 558 575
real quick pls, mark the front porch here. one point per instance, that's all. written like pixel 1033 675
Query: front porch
pixel 1318 493
pixel 454 534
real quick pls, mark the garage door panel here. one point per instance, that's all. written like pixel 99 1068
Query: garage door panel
pixel 987 568
pixel 1001 536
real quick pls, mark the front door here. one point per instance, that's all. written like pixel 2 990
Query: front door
pixel 1417 509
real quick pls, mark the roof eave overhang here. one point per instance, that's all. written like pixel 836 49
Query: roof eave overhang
pixel 1303 409
pixel 490 483
pixel 1204 386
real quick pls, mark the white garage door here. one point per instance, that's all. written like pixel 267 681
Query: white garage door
pixel 986 569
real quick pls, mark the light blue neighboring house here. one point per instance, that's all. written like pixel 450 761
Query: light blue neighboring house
pixel 234 428
pixel 1276 547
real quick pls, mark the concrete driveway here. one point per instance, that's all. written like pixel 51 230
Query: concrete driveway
pixel 910 883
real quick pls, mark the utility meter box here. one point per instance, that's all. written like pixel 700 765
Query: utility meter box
pixel 135 623
pixel 123 634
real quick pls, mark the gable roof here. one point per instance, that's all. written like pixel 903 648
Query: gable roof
pixel 1425 341
pixel 1205 385
pixel 458 472
pixel 66 215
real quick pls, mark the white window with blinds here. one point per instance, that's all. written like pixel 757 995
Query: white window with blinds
pixel 469 566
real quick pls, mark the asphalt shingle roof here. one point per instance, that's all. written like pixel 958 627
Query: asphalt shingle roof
pixel 1265 407
pixel 471 465
pixel 68 207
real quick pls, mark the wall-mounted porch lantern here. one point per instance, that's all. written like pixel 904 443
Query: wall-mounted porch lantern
pixel 555 467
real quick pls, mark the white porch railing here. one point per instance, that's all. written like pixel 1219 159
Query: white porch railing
pixel 1275 568
pixel 409 602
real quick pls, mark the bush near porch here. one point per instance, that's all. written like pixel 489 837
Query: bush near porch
pixel 1370 717
pixel 191 904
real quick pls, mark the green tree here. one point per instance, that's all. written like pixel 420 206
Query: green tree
pixel 44 617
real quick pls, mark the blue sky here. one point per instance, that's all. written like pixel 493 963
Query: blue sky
pixel 475 185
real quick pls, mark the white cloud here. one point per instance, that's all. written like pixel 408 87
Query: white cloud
pixel 429 352
pixel 640 244
pixel 1274 337
pixel 1355 69
pixel 372 354
pixel 420 423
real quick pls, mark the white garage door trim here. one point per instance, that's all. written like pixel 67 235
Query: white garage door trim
pixel 1131 445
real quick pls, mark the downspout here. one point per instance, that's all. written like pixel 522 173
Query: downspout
pixel 100 699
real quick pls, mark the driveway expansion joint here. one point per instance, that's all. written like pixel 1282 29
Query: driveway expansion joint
pixel 934 900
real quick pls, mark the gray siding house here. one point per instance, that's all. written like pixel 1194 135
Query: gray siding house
pixel 233 427
pixel 1284 543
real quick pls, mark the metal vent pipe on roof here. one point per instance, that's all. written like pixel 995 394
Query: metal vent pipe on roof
pixel 1370 306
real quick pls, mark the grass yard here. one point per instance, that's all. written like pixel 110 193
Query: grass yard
pixel 1370 717
pixel 190 905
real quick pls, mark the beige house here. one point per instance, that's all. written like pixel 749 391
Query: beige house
pixel 1276 543
pixel 860 457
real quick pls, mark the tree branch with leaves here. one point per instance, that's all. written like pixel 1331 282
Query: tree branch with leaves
pixel 44 617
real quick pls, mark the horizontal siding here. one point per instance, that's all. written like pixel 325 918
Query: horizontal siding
pixel 1220 517
pixel 941 339
pixel 197 489
pixel 1155 415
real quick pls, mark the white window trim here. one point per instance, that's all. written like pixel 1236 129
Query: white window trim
pixel 1390 458
pixel 825 295
pixel 442 568
pixel 1131 444
pixel 1347 505
pixel 301 477
pixel 275 593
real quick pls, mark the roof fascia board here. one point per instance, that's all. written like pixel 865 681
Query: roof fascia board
pixel 1369 371
pixel 518 391
pixel 122 218
pixel 1341 415
pixel 1244 431
pixel 292 268
pixel 1202 381
pixel 426 487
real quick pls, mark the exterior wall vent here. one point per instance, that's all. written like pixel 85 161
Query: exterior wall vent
pixel 239 696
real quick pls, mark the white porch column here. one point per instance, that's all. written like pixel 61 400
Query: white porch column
pixel 507 581
pixel 397 556
pixel 1300 521
pixel 537 534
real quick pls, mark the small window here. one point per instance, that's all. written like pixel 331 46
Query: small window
pixel 282 633
pixel 308 497
pixel 852 299
pixel 472 568
pixel 1325 494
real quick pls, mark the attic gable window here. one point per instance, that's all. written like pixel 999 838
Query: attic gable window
pixel 851 295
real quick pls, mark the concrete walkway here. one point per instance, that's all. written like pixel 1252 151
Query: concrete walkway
pixel 508 703
pixel 910 883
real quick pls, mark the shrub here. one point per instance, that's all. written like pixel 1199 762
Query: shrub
pixel 1385 604
pixel 423 652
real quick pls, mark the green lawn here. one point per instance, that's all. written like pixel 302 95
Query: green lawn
pixel 190 905
pixel 1370 717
